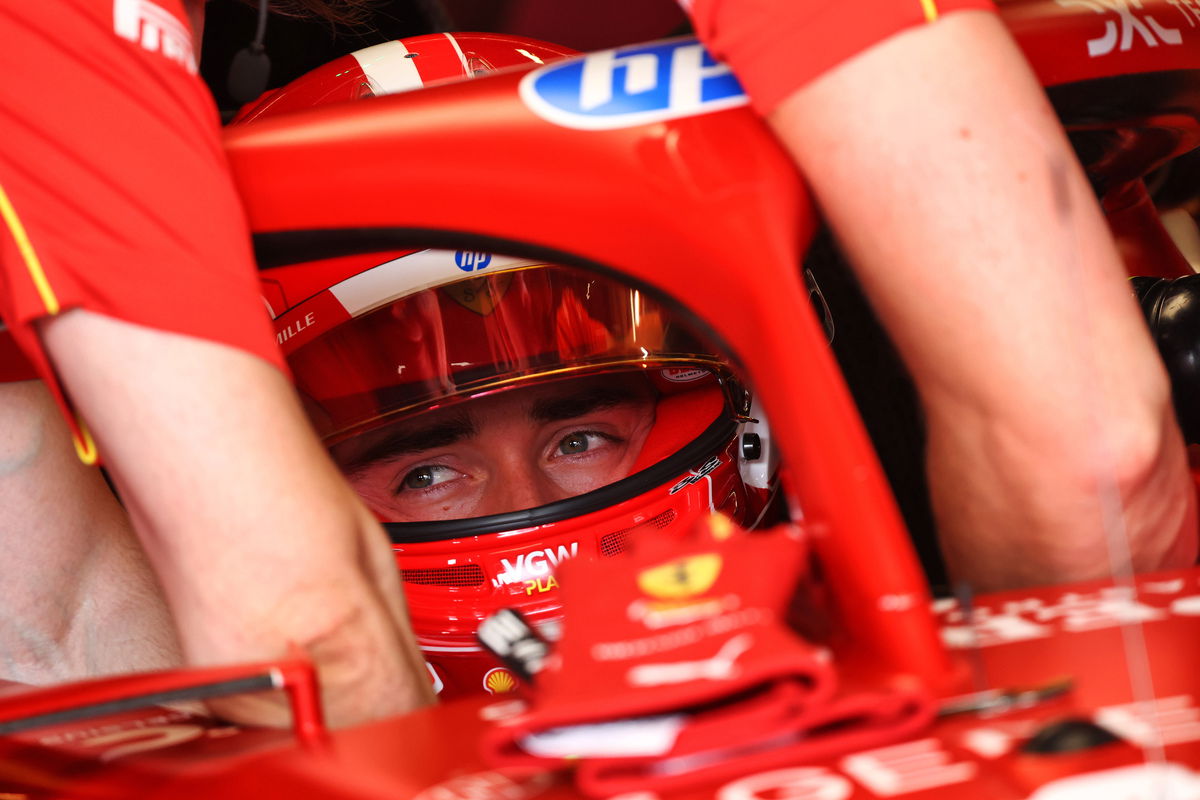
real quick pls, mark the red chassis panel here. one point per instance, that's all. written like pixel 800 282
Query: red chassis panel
pixel 704 209
pixel 1024 639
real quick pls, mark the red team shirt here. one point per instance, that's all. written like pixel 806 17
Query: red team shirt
pixel 114 191
pixel 777 46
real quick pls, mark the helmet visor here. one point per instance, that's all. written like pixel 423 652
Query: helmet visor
pixel 472 336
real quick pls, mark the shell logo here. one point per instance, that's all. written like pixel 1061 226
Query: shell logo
pixel 500 681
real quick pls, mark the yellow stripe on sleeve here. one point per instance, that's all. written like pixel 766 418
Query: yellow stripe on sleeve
pixel 85 445
pixel 930 8
pixel 32 263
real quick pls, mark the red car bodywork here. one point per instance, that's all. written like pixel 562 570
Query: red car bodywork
pixel 708 213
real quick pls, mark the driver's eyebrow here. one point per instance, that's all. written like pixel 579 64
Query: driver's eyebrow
pixel 414 439
pixel 578 403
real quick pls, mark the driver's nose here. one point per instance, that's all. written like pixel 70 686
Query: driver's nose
pixel 517 487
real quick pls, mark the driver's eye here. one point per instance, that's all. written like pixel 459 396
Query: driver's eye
pixel 424 477
pixel 420 478
pixel 573 443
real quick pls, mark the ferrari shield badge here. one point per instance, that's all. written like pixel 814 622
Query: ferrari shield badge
pixel 480 295
pixel 686 577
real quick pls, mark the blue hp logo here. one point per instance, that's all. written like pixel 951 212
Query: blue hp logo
pixel 632 86
pixel 469 261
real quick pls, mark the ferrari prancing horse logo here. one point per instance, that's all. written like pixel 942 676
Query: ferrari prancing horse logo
pixel 680 579
pixel 480 295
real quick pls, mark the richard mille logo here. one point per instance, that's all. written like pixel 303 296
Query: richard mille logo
pixel 154 29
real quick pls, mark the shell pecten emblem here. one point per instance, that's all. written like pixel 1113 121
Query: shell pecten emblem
pixel 499 681
pixel 682 578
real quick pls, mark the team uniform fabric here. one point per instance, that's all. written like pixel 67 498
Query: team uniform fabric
pixel 777 46
pixel 114 191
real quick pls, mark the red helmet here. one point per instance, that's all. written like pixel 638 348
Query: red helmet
pixel 627 418
pixel 501 415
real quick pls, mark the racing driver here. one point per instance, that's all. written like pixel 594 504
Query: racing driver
pixel 502 422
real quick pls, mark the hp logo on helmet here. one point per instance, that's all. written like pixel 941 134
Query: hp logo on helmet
pixel 632 86
pixel 470 261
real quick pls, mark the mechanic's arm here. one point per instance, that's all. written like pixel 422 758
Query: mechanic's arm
pixel 79 598
pixel 256 539
pixel 945 175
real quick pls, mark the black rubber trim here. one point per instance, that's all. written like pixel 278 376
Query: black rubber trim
pixel 700 449
pixel 254 683
pixel 283 248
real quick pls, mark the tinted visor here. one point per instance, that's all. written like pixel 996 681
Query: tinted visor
pixel 479 334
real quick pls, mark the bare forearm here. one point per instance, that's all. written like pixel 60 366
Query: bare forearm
pixel 326 600
pixel 1013 512
pixel 977 240
pixel 258 542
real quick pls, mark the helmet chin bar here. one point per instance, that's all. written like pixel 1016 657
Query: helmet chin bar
pixel 700 449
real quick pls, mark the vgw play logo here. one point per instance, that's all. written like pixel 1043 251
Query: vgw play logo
pixel 632 86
